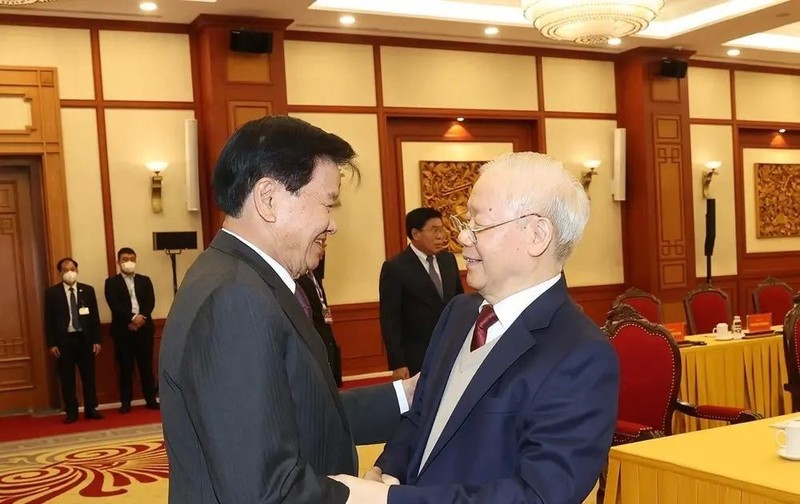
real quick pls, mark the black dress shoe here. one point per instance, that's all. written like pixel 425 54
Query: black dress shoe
pixel 71 419
pixel 126 408
pixel 153 406
pixel 93 414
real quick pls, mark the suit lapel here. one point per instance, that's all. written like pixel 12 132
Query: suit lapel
pixel 516 341
pixel 288 303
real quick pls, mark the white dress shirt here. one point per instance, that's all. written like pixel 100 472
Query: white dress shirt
pixel 131 285
pixel 70 327
pixel 424 260
pixel 292 285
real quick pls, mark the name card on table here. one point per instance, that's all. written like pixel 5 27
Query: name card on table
pixel 677 329
pixel 759 323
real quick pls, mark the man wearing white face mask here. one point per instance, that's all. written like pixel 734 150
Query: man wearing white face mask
pixel 72 327
pixel 132 299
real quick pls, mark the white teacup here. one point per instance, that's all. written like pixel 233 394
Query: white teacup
pixel 721 330
pixel 788 439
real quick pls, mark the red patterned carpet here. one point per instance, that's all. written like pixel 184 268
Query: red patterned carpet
pixel 26 427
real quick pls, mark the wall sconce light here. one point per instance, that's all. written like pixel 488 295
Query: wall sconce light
pixel 711 170
pixel 591 166
pixel 155 183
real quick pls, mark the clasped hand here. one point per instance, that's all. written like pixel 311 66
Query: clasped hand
pixel 373 489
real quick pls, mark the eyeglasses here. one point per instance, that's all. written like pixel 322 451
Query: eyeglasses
pixel 460 224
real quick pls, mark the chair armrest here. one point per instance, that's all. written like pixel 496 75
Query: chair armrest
pixel 723 413
pixel 631 432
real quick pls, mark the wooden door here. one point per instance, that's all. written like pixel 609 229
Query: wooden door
pixel 25 381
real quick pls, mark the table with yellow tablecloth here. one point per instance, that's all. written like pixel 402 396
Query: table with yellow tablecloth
pixel 747 373
pixel 737 464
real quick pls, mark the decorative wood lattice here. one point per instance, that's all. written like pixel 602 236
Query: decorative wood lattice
pixel 445 187
pixel 777 188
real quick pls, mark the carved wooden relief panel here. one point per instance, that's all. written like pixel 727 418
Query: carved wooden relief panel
pixel 777 190
pixel 445 187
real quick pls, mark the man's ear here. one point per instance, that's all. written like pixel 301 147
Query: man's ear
pixel 265 194
pixel 541 235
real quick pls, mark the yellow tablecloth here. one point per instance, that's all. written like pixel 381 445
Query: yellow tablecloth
pixel 747 373
pixel 731 465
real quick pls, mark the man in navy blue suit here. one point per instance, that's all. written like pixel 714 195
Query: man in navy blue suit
pixel 517 399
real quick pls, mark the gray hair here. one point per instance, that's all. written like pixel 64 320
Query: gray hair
pixel 539 183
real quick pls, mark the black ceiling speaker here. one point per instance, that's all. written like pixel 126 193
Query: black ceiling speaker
pixel 247 41
pixel 674 68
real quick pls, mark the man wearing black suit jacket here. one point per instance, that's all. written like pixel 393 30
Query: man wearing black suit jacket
pixel 132 300
pixel 72 327
pixel 250 408
pixel 311 283
pixel 415 286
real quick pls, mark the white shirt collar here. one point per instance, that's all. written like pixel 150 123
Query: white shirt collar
pixel 275 265
pixel 422 257
pixel 509 309
pixel 67 287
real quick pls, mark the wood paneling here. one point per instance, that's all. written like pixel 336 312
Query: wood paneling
pixel 210 40
pixel 658 255
pixel 24 376
pixel 245 68
pixel 240 113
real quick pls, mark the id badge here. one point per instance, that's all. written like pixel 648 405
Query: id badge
pixel 326 312
pixel 83 310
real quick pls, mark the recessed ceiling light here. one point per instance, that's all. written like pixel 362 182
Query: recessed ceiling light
pixel 460 119
pixel 347 19
pixel 734 52
pixel 782 130
pixel 491 30
pixel 614 41
pixel 148 6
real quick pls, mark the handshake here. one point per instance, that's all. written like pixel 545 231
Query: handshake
pixel 373 489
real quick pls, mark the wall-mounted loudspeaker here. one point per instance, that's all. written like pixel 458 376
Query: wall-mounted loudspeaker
pixel 192 166
pixel 618 169
pixel 674 68
pixel 247 41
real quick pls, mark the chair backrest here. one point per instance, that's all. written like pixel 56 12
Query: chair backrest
pixel 650 368
pixel 791 345
pixel 644 302
pixel 705 307
pixel 773 296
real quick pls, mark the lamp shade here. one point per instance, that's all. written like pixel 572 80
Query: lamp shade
pixel 590 22
pixel 157 166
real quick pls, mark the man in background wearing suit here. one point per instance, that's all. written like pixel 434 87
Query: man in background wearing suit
pixel 72 327
pixel 132 300
pixel 415 286
pixel 517 400
pixel 311 283
pixel 250 408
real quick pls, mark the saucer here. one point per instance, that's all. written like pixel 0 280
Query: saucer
pixel 782 453
pixel 724 338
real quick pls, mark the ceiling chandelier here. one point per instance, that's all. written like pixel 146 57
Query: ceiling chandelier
pixel 3 3
pixel 590 22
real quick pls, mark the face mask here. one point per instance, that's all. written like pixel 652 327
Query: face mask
pixel 70 277
pixel 128 267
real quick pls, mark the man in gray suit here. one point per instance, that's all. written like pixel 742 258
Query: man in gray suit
pixel 250 409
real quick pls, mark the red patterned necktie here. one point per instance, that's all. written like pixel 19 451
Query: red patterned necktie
pixel 486 318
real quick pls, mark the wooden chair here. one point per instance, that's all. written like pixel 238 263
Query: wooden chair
pixel 791 350
pixel 773 296
pixel 644 302
pixel 705 307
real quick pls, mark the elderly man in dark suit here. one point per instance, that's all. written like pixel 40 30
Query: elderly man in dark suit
pixel 517 399
pixel 415 286
pixel 72 327
pixel 250 408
